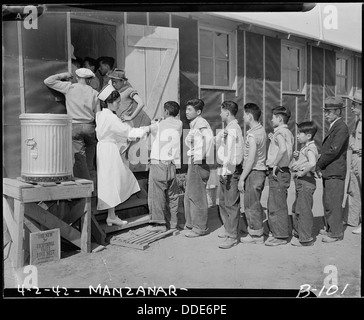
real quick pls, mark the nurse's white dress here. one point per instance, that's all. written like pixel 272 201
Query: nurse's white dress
pixel 115 181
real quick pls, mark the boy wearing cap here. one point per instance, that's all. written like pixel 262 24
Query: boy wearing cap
pixel 279 156
pixel 128 95
pixel 332 167
pixel 303 170
pixel 254 173
pixel 355 146
pixel 82 105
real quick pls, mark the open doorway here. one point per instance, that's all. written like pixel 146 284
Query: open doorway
pixel 93 40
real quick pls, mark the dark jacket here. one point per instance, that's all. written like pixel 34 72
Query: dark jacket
pixel 333 152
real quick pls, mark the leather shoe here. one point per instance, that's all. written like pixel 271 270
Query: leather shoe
pixel 328 239
pixel 295 242
pixel 275 242
pixel 252 239
pixel 228 243
pixel 192 234
pixel 323 232
pixel 357 231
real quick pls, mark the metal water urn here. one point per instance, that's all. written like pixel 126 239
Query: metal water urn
pixel 46 147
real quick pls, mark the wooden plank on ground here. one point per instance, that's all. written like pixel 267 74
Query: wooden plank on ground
pixel 47 219
pixel 129 245
pixel 142 241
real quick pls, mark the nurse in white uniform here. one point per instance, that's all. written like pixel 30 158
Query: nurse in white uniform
pixel 116 183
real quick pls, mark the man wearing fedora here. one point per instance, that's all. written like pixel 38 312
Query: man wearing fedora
pixel 128 95
pixel 81 104
pixel 332 167
pixel 355 146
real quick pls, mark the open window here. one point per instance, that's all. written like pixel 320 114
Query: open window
pixel 94 40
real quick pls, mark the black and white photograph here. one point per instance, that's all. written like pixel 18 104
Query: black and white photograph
pixel 182 151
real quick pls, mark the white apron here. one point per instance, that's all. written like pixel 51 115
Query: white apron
pixel 115 181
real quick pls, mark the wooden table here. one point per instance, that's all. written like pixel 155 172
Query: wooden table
pixel 24 200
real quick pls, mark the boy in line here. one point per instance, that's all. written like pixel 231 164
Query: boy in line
pixel 229 145
pixel 164 157
pixel 200 141
pixel 254 173
pixel 303 169
pixel 279 156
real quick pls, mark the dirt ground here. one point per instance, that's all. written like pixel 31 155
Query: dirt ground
pixel 199 263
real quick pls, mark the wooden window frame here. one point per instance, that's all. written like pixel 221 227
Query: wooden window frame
pixel 349 75
pixel 232 59
pixel 302 67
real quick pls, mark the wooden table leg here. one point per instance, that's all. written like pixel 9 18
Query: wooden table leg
pixel 86 227
pixel 19 234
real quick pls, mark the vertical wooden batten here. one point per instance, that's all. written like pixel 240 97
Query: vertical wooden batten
pixel 69 42
pixel 263 106
pixel 244 77
pixel 21 68
pixel 323 94
pixel 310 83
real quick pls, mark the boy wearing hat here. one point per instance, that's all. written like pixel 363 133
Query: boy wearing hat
pixel 332 167
pixel 279 156
pixel 128 95
pixel 82 105
pixel 355 147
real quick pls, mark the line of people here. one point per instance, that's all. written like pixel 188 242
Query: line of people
pixel 243 164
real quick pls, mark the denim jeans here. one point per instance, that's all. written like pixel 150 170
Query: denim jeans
pixel 163 194
pixel 332 200
pixel 278 218
pixel 254 185
pixel 229 203
pixel 302 208
pixel 195 200
pixel 84 147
